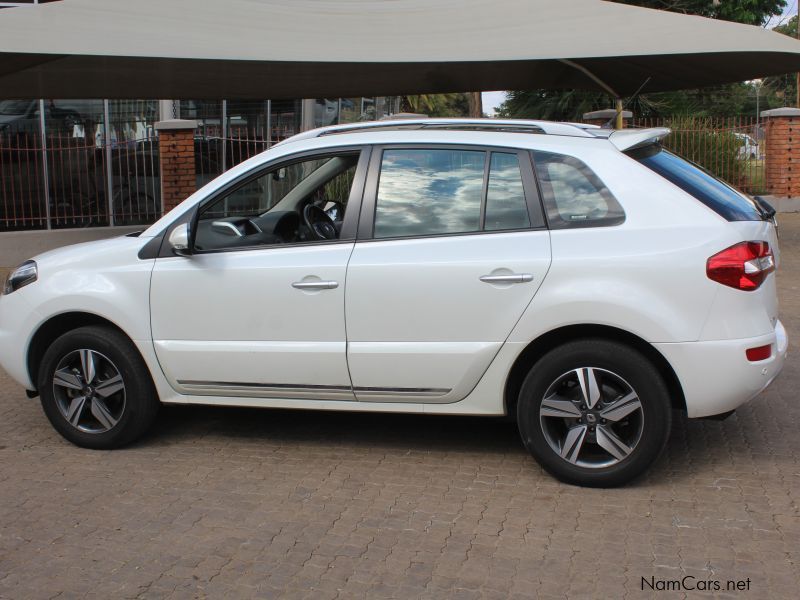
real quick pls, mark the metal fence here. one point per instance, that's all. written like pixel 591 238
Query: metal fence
pixel 732 148
pixel 86 163
pixel 78 163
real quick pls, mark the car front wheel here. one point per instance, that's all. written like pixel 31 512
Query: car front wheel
pixel 95 388
pixel 594 413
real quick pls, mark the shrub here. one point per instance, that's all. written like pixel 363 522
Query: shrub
pixel 715 149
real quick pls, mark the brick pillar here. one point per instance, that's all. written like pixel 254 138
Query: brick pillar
pixel 606 117
pixel 176 150
pixel 782 152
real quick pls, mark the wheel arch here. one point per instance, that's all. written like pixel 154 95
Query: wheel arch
pixel 53 328
pixel 556 337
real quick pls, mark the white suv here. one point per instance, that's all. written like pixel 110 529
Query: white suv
pixel 585 282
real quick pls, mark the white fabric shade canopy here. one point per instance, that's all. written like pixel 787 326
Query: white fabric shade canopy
pixel 341 48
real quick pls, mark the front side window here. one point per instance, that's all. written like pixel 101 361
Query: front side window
pixel 304 201
pixel 427 191
pixel 573 195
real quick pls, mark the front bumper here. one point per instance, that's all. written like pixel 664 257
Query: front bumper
pixel 17 323
pixel 716 376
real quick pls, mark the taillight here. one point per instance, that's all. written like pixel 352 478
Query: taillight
pixel 744 266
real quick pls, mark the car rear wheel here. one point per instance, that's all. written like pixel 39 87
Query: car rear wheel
pixel 594 413
pixel 95 388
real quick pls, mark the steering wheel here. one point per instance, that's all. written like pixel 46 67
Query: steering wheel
pixel 319 223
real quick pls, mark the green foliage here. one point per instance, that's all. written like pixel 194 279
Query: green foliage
pixel 751 12
pixel 789 28
pixel 338 189
pixel 717 151
pixel 437 105
pixel 783 87
pixel 552 105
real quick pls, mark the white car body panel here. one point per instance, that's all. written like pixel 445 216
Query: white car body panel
pixel 411 323
pixel 418 315
pixel 104 278
pixel 247 327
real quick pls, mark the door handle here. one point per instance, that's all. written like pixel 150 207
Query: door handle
pixel 315 285
pixel 512 278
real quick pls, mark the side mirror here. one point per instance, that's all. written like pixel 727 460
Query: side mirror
pixel 179 240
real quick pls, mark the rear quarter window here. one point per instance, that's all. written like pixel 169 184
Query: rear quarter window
pixel 696 181
pixel 573 195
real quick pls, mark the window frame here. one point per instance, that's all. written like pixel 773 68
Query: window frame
pixel 553 216
pixel 349 226
pixel 536 213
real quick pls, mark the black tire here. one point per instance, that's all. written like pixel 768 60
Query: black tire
pixel 614 364
pixel 136 405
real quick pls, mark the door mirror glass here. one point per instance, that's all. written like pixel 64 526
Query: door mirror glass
pixel 179 240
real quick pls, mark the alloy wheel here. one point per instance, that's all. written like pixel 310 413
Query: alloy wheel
pixel 89 391
pixel 591 417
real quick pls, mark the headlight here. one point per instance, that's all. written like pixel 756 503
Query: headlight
pixel 24 274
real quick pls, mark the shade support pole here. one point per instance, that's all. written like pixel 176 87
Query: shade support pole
pixel 618 121
pixel 590 75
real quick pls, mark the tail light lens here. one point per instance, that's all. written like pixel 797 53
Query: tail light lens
pixel 744 266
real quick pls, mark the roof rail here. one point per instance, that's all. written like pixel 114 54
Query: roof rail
pixel 496 125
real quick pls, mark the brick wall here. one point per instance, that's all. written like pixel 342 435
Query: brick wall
pixel 176 148
pixel 782 151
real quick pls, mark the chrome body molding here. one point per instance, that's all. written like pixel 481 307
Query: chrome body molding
pixel 267 390
pixel 387 394
pixel 304 391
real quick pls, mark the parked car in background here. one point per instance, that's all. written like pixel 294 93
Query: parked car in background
pixel 20 120
pixel 585 281
pixel 749 149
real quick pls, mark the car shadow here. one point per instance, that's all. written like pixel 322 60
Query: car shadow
pixel 176 424
pixel 689 452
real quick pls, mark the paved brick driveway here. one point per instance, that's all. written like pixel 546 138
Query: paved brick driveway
pixel 242 503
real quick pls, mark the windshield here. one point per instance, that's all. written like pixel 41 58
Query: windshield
pixel 694 180
pixel 14 107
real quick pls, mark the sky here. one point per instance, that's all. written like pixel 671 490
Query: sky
pixel 491 100
pixel 788 12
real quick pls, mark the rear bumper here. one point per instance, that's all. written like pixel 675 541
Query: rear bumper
pixel 716 376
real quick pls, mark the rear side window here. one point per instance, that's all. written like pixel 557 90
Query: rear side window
pixel 431 191
pixel 696 181
pixel 505 194
pixel 573 195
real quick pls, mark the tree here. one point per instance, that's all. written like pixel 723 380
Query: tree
pixel 437 105
pixel 783 87
pixel 730 99
pixel 750 12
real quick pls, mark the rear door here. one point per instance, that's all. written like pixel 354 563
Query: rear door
pixel 452 248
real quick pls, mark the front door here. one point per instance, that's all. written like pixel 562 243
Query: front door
pixel 452 248
pixel 258 309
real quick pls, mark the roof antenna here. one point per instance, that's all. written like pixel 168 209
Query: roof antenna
pixel 618 116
